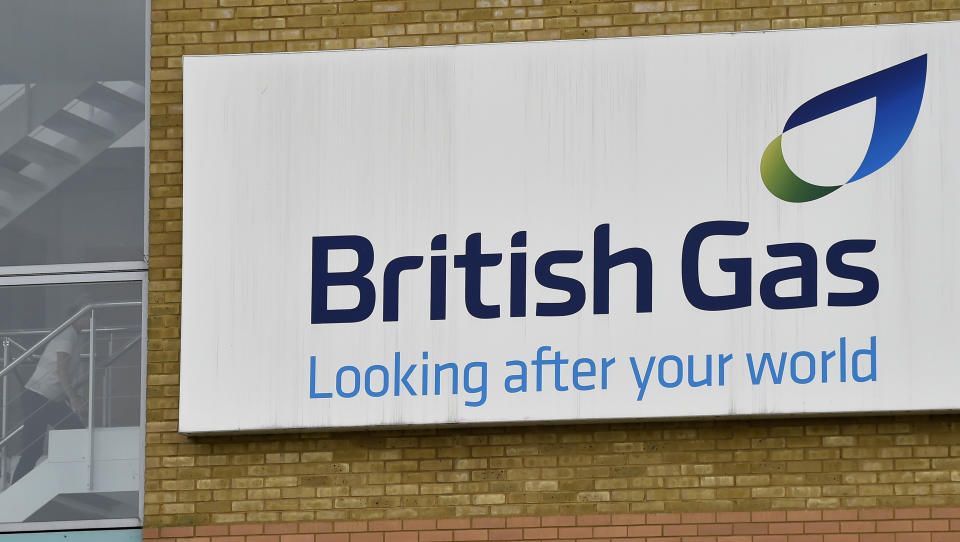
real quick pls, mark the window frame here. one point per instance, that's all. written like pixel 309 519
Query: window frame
pixel 92 278
pixel 104 272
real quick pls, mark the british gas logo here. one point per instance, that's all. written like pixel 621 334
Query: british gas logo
pixel 898 91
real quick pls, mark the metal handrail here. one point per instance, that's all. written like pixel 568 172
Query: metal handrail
pixel 16 94
pixel 123 350
pixel 12 434
pixel 14 343
pixel 9 367
pixel 69 322
pixel 19 332
pixel 3 399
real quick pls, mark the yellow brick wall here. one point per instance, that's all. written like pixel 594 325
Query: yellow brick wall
pixel 642 467
pixel 722 465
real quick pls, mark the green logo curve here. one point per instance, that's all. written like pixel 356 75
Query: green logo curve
pixel 782 182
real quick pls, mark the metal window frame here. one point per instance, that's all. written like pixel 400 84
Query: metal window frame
pixel 74 278
pixel 104 272
pixel 65 269
pixel 92 278
pixel 118 265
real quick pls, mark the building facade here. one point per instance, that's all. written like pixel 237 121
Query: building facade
pixel 829 479
pixel 850 478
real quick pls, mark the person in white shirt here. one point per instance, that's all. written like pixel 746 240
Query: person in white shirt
pixel 49 399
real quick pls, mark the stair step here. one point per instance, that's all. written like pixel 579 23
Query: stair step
pixel 38 152
pixel 106 98
pixel 13 162
pixel 15 179
pixel 76 127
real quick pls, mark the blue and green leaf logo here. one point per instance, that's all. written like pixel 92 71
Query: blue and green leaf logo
pixel 898 91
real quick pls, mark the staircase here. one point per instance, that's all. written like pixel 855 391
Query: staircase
pixel 62 482
pixel 51 130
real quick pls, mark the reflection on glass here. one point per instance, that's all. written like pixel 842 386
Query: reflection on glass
pixel 72 136
pixel 70 402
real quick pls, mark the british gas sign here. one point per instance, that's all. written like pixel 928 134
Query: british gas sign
pixel 562 231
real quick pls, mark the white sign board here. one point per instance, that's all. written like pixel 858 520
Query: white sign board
pixel 728 224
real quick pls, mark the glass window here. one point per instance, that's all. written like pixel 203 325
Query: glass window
pixel 72 131
pixel 70 422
